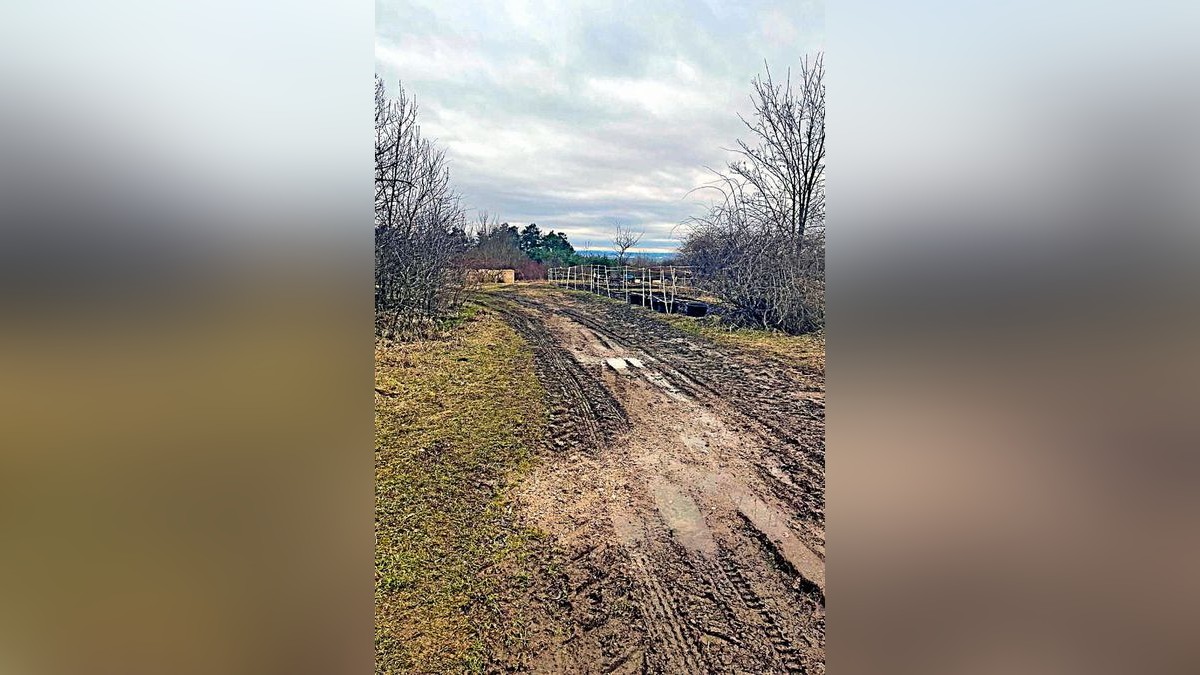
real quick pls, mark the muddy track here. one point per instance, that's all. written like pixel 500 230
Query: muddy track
pixel 582 412
pixel 685 482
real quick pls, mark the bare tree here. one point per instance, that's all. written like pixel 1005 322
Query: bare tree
pixel 761 245
pixel 419 222
pixel 623 240
pixel 785 163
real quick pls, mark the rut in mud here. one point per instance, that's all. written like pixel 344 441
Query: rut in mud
pixel 686 484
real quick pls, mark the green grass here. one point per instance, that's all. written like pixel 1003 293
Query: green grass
pixel 804 350
pixel 456 421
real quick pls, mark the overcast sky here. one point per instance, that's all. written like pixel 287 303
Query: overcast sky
pixel 579 115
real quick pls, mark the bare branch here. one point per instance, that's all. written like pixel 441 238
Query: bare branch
pixel 761 245
pixel 623 240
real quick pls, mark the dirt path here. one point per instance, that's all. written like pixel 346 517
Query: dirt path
pixel 687 486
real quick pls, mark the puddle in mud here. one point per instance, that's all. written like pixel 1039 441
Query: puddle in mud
pixel 683 518
pixel 769 522
pixel 617 364
pixel 670 389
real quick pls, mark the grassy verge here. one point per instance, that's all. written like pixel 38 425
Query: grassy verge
pixel 807 351
pixel 456 421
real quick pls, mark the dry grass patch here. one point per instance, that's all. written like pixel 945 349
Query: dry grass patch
pixel 457 420
pixel 806 351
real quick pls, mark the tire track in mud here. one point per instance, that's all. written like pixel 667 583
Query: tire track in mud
pixel 780 646
pixel 767 396
pixel 662 573
pixel 668 625
pixel 570 390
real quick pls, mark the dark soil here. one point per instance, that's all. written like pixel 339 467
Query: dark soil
pixel 683 484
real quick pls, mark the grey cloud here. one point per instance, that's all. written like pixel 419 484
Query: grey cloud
pixel 627 58
pixel 579 115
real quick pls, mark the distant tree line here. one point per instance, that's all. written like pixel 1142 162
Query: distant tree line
pixel 761 245
pixel 528 250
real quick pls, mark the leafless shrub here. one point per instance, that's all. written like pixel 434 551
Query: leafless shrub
pixel 419 223
pixel 496 245
pixel 761 246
